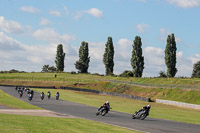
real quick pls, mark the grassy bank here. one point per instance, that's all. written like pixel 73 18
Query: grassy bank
pixel 130 106
pixel 98 83
pixel 8 100
pixel 36 124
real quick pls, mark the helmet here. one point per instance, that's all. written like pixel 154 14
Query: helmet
pixel 149 106
pixel 107 102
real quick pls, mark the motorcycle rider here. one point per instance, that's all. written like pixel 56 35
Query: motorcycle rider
pixel 106 105
pixel 20 92
pixel 42 95
pixel 57 95
pixel 147 107
pixel 49 94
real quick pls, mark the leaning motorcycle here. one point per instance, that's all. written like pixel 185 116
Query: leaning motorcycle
pixel 140 114
pixel 103 111
pixel 30 97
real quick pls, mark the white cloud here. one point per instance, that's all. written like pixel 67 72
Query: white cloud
pixel 165 33
pixel 78 15
pixel 185 3
pixel 57 13
pixel 44 22
pixel 29 9
pixel 49 35
pixel 95 12
pixel 142 28
pixel 32 57
pixel 10 26
pixel 8 43
pixel 66 10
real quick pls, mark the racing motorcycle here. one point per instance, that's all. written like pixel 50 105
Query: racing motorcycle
pixel 102 111
pixel 20 94
pixel 42 96
pixel 141 114
pixel 57 96
pixel 30 96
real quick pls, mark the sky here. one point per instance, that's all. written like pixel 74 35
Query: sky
pixel 30 31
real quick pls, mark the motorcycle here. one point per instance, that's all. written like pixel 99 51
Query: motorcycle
pixel 30 97
pixel 49 95
pixel 57 96
pixel 20 94
pixel 102 111
pixel 141 114
pixel 42 96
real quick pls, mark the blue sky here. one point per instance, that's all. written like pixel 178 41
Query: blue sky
pixel 30 31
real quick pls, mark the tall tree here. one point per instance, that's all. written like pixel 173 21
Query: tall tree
pixel 83 63
pixel 108 57
pixel 196 70
pixel 170 56
pixel 137 60
pixel 60 57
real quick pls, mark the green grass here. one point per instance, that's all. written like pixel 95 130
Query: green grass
pixel 8 100
pixel 36 124
pixel 88 81
pixel 130 106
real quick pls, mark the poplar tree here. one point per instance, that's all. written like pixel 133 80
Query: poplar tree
pixel 83 63
pixel 60 57
pixel 196 70
pixel 108 57
pixel 170 56
pixel 137 60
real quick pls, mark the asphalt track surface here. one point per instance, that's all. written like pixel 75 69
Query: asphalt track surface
pixel 115 118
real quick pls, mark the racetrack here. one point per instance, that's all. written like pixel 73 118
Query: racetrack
pixel 116 118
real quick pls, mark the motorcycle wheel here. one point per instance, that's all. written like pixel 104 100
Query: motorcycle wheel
pixel 143 116
pixel 97 113
pixel 133 116
pixel 104 112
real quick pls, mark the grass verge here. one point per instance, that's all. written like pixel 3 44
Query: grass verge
pixel 8 100
pixel 36 124
pixel 130 106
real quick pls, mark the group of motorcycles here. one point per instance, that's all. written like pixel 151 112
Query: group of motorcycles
pixel 141 114
pixel 30 93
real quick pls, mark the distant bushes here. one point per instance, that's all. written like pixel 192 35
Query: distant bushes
pixel 12 71
pixel 126 73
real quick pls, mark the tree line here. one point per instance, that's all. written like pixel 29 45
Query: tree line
pixel 137 59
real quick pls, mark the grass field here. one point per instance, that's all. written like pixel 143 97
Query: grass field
pixel 36 124
pixel 98 83
pixel 88 78
pixel 7 100
pixel 130 106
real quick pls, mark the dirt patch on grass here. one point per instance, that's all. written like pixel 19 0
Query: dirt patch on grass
pixel 44 113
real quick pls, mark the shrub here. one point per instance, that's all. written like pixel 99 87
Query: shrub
pixel 126 73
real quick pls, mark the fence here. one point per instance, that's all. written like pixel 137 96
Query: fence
pixel 179 104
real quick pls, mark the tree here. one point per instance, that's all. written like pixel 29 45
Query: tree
pixel 170 56
pixel 162 74
pixel 196 70
pixel 83 63
pixel 52 69
pixel 108 57
pixel 137 60
pixel 60 57
pixel 45 68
